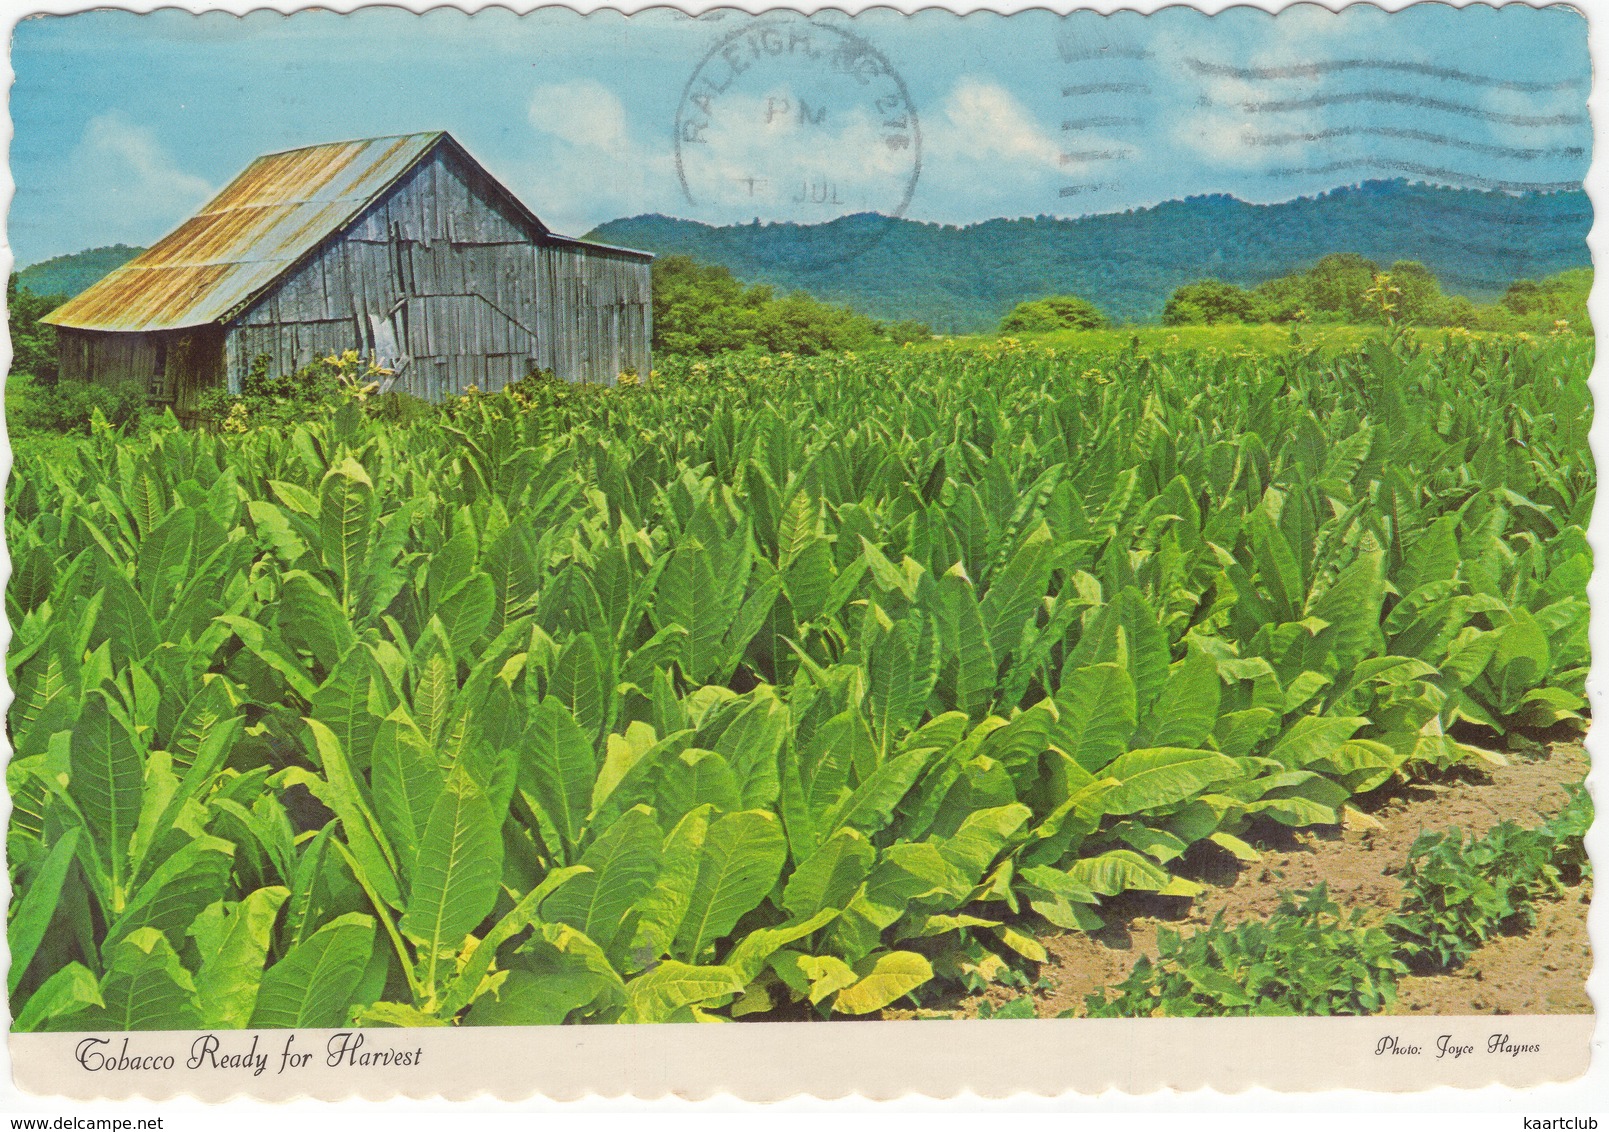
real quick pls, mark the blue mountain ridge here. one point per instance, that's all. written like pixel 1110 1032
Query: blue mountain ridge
pixel 961 279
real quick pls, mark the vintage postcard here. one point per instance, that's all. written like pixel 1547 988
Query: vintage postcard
pixel 641 553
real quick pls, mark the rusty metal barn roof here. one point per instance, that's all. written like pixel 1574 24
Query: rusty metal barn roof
pixel 266 219
pixel 261 225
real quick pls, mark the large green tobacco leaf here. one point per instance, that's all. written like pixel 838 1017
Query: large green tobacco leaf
pixel 1313 738
pixel 467 610
pixel 665 907
pixel 1351 606
pixel 882 980
pixel 872 804
pixel 340 790
pixel 982 837
pixel 1117 871
pixel 737 865
pixel 407 784
pixel 672 988
pixel 309 618
pixel 624 863
pixel 559 770
pixel 36 906
pixel 577 683
pixel 1187 711
pixel 347 511
pixel 312 986
pixel 1095 709
pixel 1161 776
pixel 147 497
pixel 467 984
pixel 829 876
pixel 233 941
pixel 901 669
pixel 273 651
pixel 966 640
pixel 60 1001
pixel 537 998
pixel 145 988
pixel 177 890
pixel 455 878
pixel 750 739
pixel 696 778
pixel 106 778
pixel 749 957
pixel 124 620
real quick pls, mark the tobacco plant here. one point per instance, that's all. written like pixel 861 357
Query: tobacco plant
pixel 758 691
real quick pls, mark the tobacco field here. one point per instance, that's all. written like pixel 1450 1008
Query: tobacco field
pixel 773 689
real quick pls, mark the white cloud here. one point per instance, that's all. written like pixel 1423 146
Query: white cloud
pixel 122 165
pixel 589 167
pixel 986 153
pixel 980 121
pixel 582 113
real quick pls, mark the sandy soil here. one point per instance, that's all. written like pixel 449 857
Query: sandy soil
pixel 1542 971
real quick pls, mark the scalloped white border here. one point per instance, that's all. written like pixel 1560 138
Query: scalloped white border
pixel 635 1069
pixel 770 1061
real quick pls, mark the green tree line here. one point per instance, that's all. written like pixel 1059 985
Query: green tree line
pixel 1344 288
pixel 701 309
pixel 1347 288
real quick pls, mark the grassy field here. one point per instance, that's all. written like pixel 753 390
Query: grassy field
pixel 1261 339
pixel 775 688
pixel 1232 338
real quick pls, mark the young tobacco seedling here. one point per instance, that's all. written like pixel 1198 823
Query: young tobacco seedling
pixel 1306 959
pixel 1459 894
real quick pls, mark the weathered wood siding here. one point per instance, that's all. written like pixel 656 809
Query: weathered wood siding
pixel 172 366
pixel 106 358
pixel 448 284
pixel 597 312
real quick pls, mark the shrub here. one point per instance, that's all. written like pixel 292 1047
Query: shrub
pixel 33 343
pixel 703 310
pixel 1541 305
pixel 1307 958
pixel 1459 894
pixel 69 406
pixel 1058 312
pixel 320 387
pixel 1350 289
pixel 1210 301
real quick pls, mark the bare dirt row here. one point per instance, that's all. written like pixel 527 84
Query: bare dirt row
pixel 1542 971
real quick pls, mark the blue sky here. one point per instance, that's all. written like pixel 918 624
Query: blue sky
pixel 125 123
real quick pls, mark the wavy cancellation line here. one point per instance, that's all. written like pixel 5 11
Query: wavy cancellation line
pixel 1450 176
pixel 1518 153
pixel 1397 98
pixel 1389 66
pixel 1078 90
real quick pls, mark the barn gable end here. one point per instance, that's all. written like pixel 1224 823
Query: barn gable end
pixel 451 286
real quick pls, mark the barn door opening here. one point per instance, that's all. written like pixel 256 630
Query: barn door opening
pixel 387 336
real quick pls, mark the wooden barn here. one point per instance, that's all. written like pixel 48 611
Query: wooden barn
pixel 402 247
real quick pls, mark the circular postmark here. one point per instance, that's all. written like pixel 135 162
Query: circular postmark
pixel 790 119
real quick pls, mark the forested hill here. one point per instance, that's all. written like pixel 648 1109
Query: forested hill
pixel 962 279
pixel 70 274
